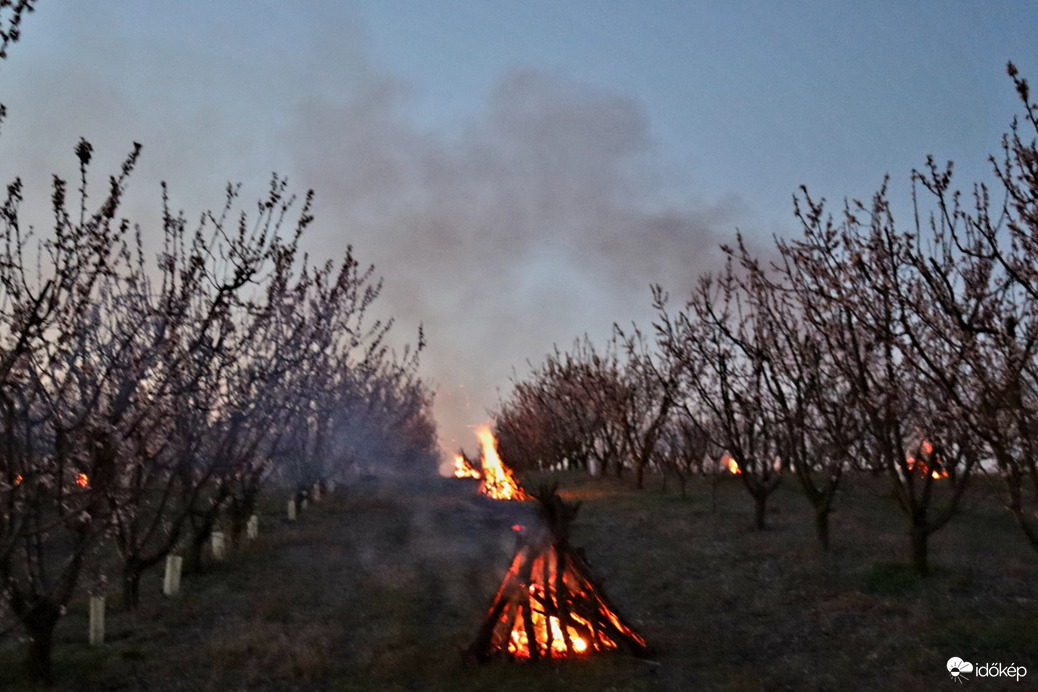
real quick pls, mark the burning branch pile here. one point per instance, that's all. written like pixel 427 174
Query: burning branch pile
pixel 464 469
pixel 549 605
pixel 498 482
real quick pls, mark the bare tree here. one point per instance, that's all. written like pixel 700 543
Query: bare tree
pixel 719 343
pixel 63 400
pixel 683 450
pixel 564 411
pixel 908 376
pixel 982 287
pixel 649 396
pixel 813 425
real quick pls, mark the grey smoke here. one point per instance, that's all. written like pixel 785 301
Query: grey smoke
pixel 541 214
pixel 539 220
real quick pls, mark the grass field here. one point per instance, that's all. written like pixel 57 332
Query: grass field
pixel 383 585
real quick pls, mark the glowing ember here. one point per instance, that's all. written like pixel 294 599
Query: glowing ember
pixel 18 480
pixel 82 481
pixel 462 469
pixel 498 481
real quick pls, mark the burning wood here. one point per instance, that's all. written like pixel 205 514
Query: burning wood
pixel 927 463
pixel 498 482
pixel 549 605
pixel 463 469
pixel 919 466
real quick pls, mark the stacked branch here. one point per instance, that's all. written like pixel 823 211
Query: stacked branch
pixel 549 605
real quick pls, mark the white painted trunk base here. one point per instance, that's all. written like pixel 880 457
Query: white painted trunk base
pixel 97 620
pixel 219 546
pixel 171 583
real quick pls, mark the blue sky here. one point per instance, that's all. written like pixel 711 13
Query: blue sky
pixel 519 172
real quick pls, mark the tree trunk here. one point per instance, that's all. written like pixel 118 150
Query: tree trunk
pixel 760 501
pixel 639 475
pixel 196 546
pixel 39 623
pixel 822 525
pixel 1015 507
pixel 920 559
pixel 240 511
pixel 1029 531
pixel 131 584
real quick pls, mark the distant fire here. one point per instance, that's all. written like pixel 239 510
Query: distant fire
pixel 498 481
pixel 733 465
pixel 82 481
pixel 920 466
pixel 462 468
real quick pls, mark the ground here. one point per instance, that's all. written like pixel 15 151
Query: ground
pixel 383 585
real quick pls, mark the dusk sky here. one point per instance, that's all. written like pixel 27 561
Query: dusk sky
pixel 519 172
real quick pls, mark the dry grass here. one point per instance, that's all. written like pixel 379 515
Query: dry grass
pixel 382 587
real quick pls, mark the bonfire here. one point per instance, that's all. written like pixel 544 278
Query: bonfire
pixel 497 479
pixel 463 468
pixel 935 468
pixel 549 606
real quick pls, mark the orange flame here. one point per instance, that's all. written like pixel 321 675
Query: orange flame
pixel 462 469
pixel 518 645
pixel 548 628
pixel 919 465
pixel 579 636
pixel 18 480
pixel 733 465
pixel 82 481
pixel 498 481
